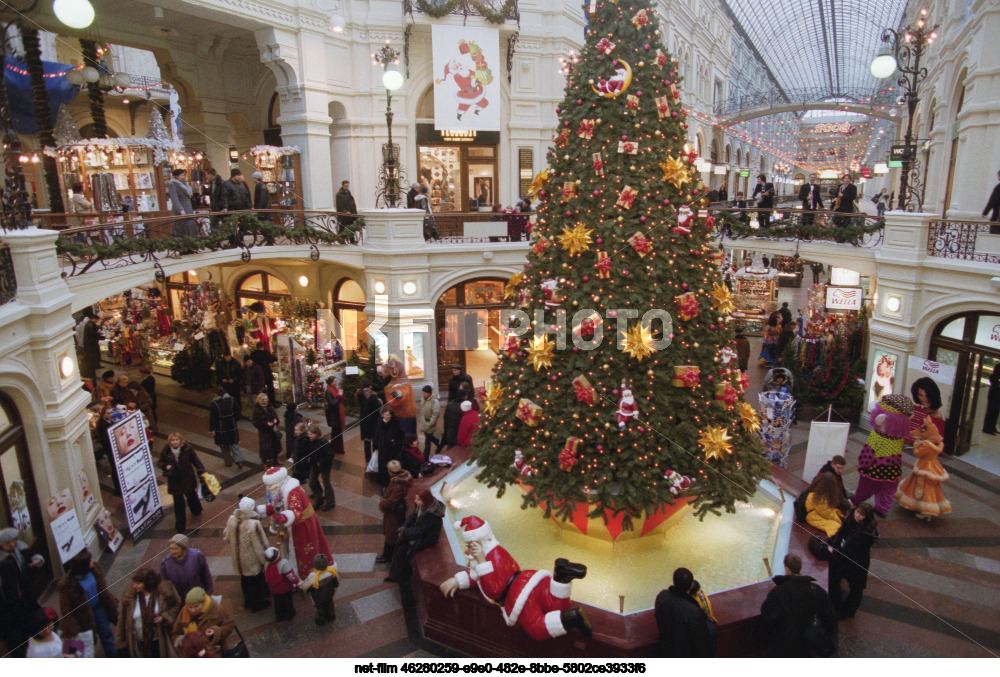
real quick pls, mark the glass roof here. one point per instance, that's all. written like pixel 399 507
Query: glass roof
pixel 821 45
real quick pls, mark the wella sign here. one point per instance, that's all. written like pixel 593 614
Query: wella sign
pixel 942 373
pixel 844 298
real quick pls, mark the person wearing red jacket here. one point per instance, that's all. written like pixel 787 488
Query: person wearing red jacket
pixel 468 425
pixel 538 601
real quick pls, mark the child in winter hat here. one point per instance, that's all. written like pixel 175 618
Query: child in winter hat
pixel 281 580
pixel 321 584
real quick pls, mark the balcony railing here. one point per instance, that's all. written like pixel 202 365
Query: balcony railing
pixel 8 281
pixel 104 246
pixel 857 229
pixel 960 240
pixel 494 11
pixel 473 227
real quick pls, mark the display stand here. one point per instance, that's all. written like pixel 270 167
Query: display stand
pixel 754 296
pixel 281 167
pixel 789 271
pixel 777 418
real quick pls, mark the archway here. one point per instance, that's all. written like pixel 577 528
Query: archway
pixel 349 311
pixel 468 321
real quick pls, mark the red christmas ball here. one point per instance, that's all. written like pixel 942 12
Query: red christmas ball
pixel 625 273
pixel 684 285
pixel 613 392
pixel 586 278
pixel 646 47
pixel 596 193
pixel 642 219
pixel 710 377
pixel 600 240
pixel 639 93
pixel 666 203
pixel 641 429
pixel 671 337
pixel 712 327
pixel 673 113
pixel 568 213
pixel 624 137
pixel 558 110
pixel 565 123
pixel 576 349
pixel 554 378
pixel 579 102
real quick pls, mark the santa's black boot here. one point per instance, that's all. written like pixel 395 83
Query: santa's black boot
pixel 566 571
pixel 573 619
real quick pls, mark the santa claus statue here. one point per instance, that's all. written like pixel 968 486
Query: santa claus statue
pixel 613 86
pixel 294 515
pixel 536 600
pixel 551 292
pixel 521 465
pixel 684 221
pixel 627 408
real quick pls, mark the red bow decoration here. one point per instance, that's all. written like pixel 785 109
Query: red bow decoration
pixel 562 138
pixel 662 107
pixel 628 147
pixel 541 244
pixel 632 101
pixel 587 329
pixel 605 45
pixel 690 378
pixel 627 197
pixel 583 391
pixel 512 346
pixel 661 58
pixel 728 394
pixel 710 222
pixel 599 164
pixel 567 457
pixel 692 157
pixel 687 306
pixel 603 265
pixel 640 19
pixel 744 381
pixel 640 244
pixel 586 130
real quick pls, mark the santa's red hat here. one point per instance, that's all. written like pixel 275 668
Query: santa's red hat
pixel 474 529
pixel 276 475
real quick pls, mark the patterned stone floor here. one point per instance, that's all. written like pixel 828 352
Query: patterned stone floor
pixel 934 589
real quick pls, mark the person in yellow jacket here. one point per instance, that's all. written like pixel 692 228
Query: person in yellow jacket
pixel 821 504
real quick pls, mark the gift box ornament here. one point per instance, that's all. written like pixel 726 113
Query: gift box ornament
pixel 632 102
pixel 541 244
pixel 586 130
pixel 662 107
pixel 603 265
pixel 640 244
pixel 599 164
pixel 686 376
pixel 627 197
pixel 641 18
pixel 605 46
pixel 583 391
pixel 628 147
pixel 568 190
pixel 661 59
pixel 726 393
pixel 529 412
pixel 687 306
pixel 568 455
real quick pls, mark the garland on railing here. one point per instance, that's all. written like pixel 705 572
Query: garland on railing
pixel 494 16
pixel 498 16
pixel 438 11
pixel 219 236
pixel 794 229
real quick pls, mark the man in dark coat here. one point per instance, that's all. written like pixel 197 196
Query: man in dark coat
pixel 222 422
pixel 229 375
pixel 369 405
pixel 345 203
pixel 17 596
pixel 793 602
pixel 261 195
pixel 235 194
pixel 458 377
pixel 765 204
pixel 264 360
pixel 411 196
pixel 91 349
pixel 214 192
pixel 453 419
pixel 993 206
pixel 682 623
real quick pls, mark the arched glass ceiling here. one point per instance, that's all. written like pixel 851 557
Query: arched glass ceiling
pixel 822 45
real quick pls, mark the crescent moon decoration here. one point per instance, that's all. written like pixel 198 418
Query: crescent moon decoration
pixel 625 86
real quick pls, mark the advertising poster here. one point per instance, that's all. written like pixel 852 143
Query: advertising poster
pixel 880 380
pixel 844 298
pixel 65 528
pixel 107 530
pixel 466 78
pixel 20 518
pixel 133 462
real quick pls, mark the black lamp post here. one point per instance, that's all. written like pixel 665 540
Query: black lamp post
pixel 905 54
pixel 392 78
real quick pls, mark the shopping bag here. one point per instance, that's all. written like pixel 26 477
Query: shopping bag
pixel 373 463
pixel 212 482
pixel 203 491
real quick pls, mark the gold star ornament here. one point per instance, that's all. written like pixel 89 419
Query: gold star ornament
pixel 491 402
pixel 510 290
pixel 540 352
pixel 715 443
pixel 639 342
pixel 724 301
pixel 674 172
pixel 749 418
pixel 576 239
pixel 541 180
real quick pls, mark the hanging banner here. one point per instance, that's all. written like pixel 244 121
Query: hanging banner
pixel 942 373
pixel 466 78
pixel 844 298
pixel 133 462
pixel 826 440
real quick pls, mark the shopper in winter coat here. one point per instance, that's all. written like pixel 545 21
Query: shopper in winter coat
pixel 790 606
pixel 179 192
pixel 255 379
pixel 683 625
pixel 265 359
pixel 182 468
pixel 851 554
pixel 320 465
pixel 836 466
pixel 453 419
pixel 300 455
pixel 370 407
pixel 742 351
pixel 265 420
pixel 821 504
pixel 468 425
pixel 427 418
pixel 235 194
pixel 229 375
pixel 388 441
pixel 143 401
pixel 20 569
pixel 292 416
pixel 222 422
pixel 86 602
pixel 186 567
pixel 261 195
pixel 120 394
pixel 201 613
pixel 148 610
pixel 410 456
pixel 420 531
pixel 247 543
pixel 393 508
pixel 344 202
pixel 458 377
pixel 333 407
pixel 281 581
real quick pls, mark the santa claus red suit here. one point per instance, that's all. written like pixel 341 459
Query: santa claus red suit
pixel 471 93
pixel 627 408
pixel 293 512
pixel 536 600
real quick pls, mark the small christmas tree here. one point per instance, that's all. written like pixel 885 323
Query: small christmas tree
pixel 65 131
pixel 618 236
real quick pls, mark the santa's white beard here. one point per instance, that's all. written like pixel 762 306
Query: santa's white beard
pixel 628 400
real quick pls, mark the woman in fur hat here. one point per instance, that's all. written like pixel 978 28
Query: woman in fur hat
pixel 247 542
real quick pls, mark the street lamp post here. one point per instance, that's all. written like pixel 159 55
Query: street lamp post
pixel 390 173
pixel 905 54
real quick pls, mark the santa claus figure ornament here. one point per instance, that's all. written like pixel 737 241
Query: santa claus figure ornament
pixel 294 515
pixel 627 408
pixel 538 601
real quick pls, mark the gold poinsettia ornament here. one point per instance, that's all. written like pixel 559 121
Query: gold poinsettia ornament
pixel 540 352
pixel 675 172
pixel 715 442
pixel 576 239
pixel 494 393
pixel 749 418
pixel 510 290
pixel 541 180
pixel 639 342
pixel 724 300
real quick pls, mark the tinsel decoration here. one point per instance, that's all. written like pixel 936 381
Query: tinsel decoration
pixel 66 131
pixel 157 129
pixel 89 50
pixel 33 60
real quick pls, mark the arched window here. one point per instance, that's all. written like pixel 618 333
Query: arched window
pixel 177 285
pixel 739 157
pixel 349 311
pixel 261 287
pixel 425 107
pixel 469 327
pixel 728 153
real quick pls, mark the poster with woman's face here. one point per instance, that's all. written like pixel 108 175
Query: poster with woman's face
pixel 880 381
pixel 20 518
pixel 86 495
pixel 59 503
pixel 127 438
pixel 107 530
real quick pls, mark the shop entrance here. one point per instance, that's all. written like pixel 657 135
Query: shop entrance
pixel 459 168
pixel 971 344
pixel 469 332
pixel 19 505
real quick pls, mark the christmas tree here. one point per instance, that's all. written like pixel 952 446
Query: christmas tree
pixel 619 241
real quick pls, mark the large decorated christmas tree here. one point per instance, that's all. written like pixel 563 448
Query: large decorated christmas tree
pixel 619 243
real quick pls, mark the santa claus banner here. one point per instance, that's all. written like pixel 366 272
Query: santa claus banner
pixel 466 78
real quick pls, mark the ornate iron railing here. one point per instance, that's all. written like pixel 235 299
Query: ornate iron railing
pixel 105 246
pixel 857 229
pixel 451 226
pixel 8 281
pixel 957 240
pixel 494 11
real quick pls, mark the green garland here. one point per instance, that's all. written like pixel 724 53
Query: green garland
pixel 88 48
pixel 215 240
pixel 33 61
pixel 498 16
pixel 793 229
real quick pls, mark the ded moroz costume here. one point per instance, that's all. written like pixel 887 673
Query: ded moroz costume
pixel 294 514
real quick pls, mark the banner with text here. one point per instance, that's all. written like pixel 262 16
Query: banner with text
pixel 942 373
pixel 133 462
pixel 466 78
pixel 844 298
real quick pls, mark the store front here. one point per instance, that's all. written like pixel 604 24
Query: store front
pixel 459 167
pixel 262 287
pixel 349 311
pixel 18 496
pixel 970 343
pixel 469 329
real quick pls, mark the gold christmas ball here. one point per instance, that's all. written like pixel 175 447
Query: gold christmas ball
pixel 696 345
pixel 607 425
pixel 650 373
pixel 632 168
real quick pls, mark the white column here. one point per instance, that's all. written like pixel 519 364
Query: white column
pixel 310 131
